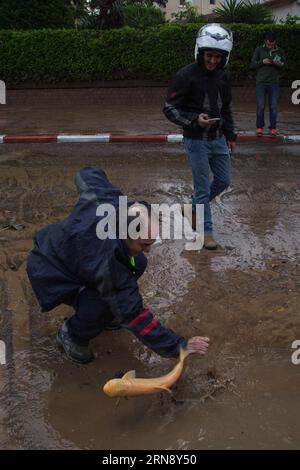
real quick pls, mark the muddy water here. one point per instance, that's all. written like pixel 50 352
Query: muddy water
pixel 245 296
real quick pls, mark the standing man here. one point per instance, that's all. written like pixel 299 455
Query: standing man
pixel 71 265
pixel 267 60
pixel 199 100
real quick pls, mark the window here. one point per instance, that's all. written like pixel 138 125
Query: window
pixel 186 3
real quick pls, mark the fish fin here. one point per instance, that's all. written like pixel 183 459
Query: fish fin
pixel 163 389
pixel 183 354
pixel 129 375
pixel 119 400
pixel 176 401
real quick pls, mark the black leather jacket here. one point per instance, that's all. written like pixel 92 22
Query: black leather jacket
pixel 195 90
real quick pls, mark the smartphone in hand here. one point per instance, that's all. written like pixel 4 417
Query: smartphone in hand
pixel 212 120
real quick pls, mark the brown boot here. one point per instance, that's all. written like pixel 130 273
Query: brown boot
pixel 209 242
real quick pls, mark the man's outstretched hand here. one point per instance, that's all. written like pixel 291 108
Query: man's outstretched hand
pixel 198 345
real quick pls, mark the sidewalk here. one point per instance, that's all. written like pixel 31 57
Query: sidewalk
pixel 118 110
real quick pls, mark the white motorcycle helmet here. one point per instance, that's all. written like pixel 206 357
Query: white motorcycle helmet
pixel 215 37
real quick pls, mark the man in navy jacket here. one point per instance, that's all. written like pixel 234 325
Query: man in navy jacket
pixel 70 265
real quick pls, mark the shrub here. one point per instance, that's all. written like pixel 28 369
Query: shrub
pixel 127 53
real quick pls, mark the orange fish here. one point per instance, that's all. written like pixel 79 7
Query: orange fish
pixel 130 386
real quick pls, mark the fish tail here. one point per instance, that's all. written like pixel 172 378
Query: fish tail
pixel 183 354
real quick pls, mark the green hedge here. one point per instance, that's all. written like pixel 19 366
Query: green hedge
pixel 152 54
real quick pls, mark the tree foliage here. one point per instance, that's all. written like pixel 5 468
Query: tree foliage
pixel 36 14
pixel 244 11
pixel 290 19
pixel 108 14
pixel 111 14
pixel 142 16
pixel 187 15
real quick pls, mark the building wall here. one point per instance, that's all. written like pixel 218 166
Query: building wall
pixel 281 12
pixel 204 6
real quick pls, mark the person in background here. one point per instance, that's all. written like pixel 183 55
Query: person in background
pixel 199 100
pixel 267 60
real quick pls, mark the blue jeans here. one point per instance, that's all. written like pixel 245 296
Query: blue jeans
pixel 272 92
pixel 204 155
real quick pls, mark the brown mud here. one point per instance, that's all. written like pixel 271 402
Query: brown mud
pixel 245 296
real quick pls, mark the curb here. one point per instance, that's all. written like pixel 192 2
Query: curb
pixel 126 138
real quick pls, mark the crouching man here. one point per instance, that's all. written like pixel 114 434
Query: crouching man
pixel 71 265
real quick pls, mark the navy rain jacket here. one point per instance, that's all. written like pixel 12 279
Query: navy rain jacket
pixel 68 255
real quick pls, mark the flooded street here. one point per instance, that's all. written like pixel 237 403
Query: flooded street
pixel 245 296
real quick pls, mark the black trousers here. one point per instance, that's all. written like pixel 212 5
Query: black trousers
pixel 92 313
pixel 90 318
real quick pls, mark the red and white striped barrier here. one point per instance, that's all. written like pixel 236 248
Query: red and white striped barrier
pixel 125 138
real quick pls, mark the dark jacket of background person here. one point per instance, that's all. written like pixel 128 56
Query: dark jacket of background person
pixel 266 73
pixel 68 255
pixel 194 90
